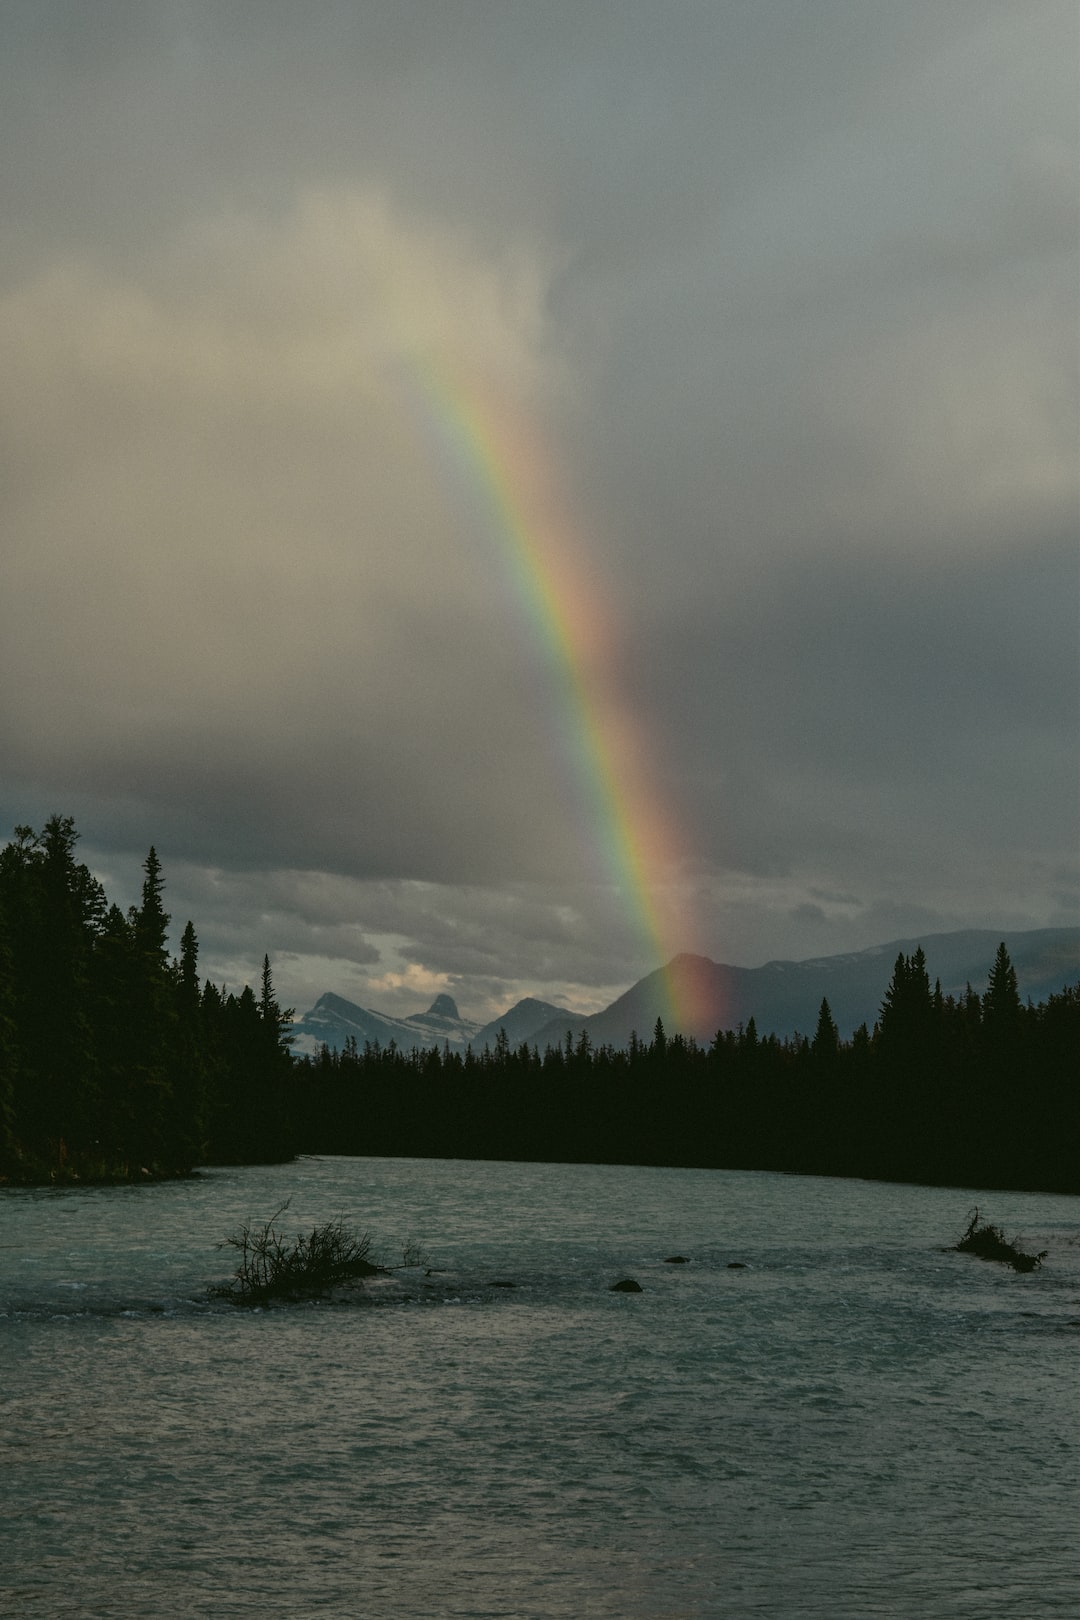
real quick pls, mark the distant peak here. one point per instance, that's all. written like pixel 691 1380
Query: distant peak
pixel 332 1003
pixel 443 1007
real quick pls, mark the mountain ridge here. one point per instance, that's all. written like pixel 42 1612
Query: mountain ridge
pixel 333 1020
pixel 783 996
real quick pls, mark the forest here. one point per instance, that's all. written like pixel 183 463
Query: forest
pixel 115 1063
pixel 979 1090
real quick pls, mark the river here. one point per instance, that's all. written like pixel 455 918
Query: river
pixel 823 1412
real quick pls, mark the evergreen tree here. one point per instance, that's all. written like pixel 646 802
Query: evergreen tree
pixel 1001 1005
pixel 254 1117
pixel 907 1098
pixel 276 1020
pixel 1004 1077
pixel 153 1018
pixel 189 1070
pixel 906 1015
pixel 111 1062
pixel 188 975
pixel 7 1037
pixel 826 1042
pixel 114 992
pixel 152 920
pixel 64 906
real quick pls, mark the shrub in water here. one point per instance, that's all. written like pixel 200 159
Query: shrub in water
pixel 989 1243
pixel 273 1266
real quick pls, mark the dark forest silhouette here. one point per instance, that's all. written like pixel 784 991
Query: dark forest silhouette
pixel 979 1090
pixel 114 1062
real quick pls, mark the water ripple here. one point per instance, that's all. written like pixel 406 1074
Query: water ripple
pixel 860 1425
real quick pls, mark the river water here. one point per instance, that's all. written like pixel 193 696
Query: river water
pixel 853 1422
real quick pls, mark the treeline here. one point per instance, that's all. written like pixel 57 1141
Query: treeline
pixel 976 1090
pixel 114 1061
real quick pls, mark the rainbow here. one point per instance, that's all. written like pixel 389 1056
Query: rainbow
pixel 503 459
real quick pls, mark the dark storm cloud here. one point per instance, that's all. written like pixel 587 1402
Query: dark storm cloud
pixel 791 293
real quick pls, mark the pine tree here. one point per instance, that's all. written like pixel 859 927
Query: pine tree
pixel 151 1117
pixel 907 1012
pixel 907 1101
pixel 188 1105
pixel 70 905
pixel 151 919
pixel 1001 1005
pixel 188 975
pixel 114 991
pixel 1005 1076
pixel 8 1046
pixel 254 1116
pixel 276 1019
pixel 826 1042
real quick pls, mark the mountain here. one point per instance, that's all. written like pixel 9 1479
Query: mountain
pixel 333 1020
pixel 521 1023
pixel 784 997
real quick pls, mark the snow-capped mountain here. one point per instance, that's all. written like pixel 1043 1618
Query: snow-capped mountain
pixel 333 1020
pixel 782 997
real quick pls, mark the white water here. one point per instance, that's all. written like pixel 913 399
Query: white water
pixel 857 1424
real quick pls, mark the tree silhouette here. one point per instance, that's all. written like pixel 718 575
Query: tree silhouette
pixel 113 1062
pixel 1001 1005
pixel 826 1043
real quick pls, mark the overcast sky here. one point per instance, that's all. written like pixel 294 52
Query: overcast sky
pixel 784 297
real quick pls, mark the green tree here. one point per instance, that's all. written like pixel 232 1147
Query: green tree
pixel 114 990
pixel 63 909
pixel 187 979
pixel 152 920
pixel 276 1020
pixel 826 1043
pixel 151 1117
pixel 1001 1005
pixel 8 1044
pixel 907 1011
pixel 1005 1076
pixel 188 1105
pixel 748 1038
pixel 254 1116
pixel 908 1097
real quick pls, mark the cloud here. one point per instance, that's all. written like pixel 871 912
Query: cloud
pixel 388 943
pixel 788 294
pixel 237 588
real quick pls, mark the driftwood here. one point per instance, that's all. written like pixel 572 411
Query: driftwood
pixel 990 1243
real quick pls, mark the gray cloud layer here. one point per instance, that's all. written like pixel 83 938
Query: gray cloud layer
pixel 789 292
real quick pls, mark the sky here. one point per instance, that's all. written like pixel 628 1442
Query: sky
pixel 498 494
